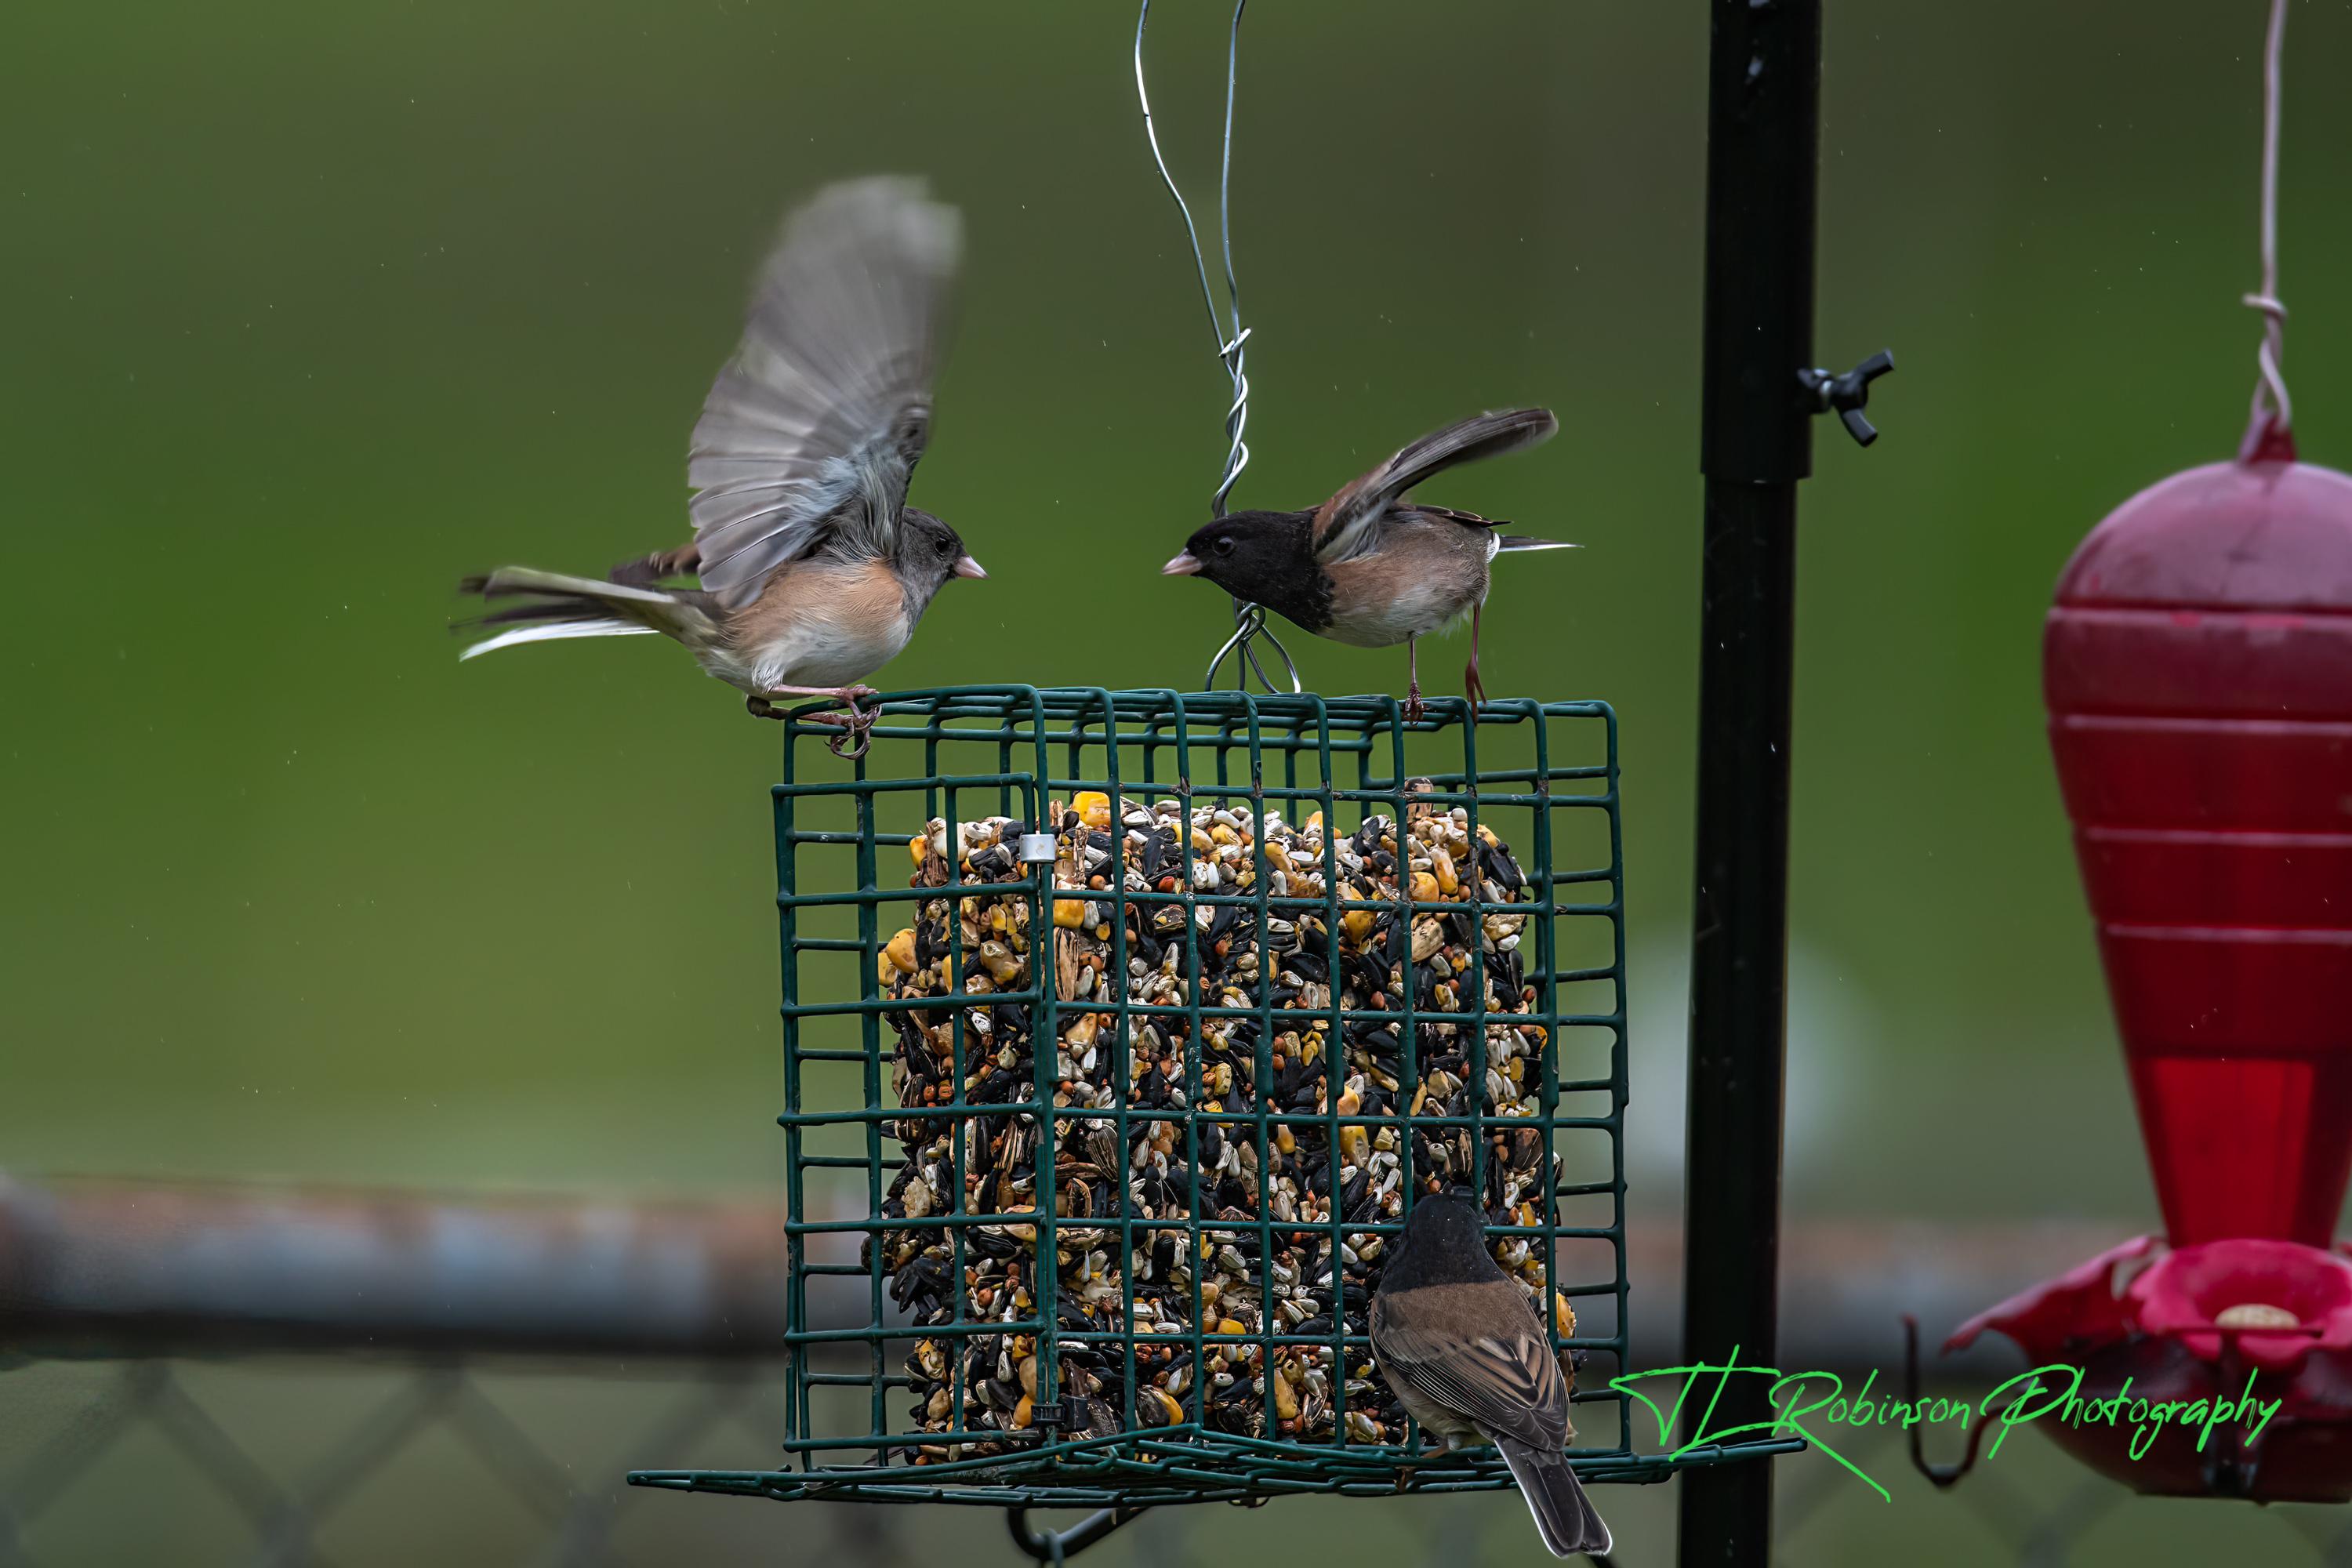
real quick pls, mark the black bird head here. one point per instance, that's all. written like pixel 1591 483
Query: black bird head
pixel 1265 557
pixel 1444 1243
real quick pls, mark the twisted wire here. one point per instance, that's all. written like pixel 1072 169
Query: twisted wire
pixel 1231 339
pixel 2271 407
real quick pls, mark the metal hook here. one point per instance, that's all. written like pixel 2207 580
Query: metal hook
pixel 1249 624
pixel 1941 1476
pixel 1055 1546
pixel 1847 394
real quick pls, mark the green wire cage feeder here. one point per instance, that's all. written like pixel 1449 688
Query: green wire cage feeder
pixel 1121 1030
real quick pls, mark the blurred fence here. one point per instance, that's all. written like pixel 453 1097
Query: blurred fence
pixel 224 1375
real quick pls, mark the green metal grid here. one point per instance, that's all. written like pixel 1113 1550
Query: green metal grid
pixel 1346 757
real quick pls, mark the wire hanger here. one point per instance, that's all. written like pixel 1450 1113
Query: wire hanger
pixel 1249 620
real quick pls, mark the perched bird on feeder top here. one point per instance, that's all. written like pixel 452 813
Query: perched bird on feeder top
pixel 1466 1356
pixel 1368 567
pixel 813 569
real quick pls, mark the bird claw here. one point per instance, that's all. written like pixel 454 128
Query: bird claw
pixel 857 726
pixel 857 732
pixel 1414 709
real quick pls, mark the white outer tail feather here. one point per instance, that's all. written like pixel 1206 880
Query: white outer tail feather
pixel 554 630
pixel 634 611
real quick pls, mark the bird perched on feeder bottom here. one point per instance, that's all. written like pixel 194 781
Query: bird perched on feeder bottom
pixel 1467 1357
pixel 1368 567
pixel 813 569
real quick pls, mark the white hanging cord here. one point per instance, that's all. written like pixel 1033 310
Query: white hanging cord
pixel 2273 412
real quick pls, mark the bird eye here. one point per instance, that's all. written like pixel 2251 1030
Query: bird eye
pixel 1223 545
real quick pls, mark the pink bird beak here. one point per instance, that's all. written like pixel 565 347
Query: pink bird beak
pixel 966 566
pixel 1184 565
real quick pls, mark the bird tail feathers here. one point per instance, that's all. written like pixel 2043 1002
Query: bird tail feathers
pixel 557 606
pixel 1565 1517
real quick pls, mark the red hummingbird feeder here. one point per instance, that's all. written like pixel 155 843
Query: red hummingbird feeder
pixel 2197 666
pixel 2197 669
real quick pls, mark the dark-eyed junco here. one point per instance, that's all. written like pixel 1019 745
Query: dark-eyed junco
pixel 1368 567
pixel 813 569
pixel 1467 1357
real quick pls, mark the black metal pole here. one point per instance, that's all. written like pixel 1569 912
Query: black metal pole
pixel 1763 136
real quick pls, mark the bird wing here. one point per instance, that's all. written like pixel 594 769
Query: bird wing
pixel 1479 1352
pixel 1449 514
pixel 812 430
pixel 1349 524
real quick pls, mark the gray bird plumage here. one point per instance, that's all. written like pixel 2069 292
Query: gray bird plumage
pixel 1466 1356
pixel 823 414
pixel 814 570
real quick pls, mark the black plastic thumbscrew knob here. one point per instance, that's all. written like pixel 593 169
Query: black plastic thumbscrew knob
pixel 1849 394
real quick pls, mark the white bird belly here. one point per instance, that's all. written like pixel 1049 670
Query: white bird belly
pixel 1421 609
pixel 826 651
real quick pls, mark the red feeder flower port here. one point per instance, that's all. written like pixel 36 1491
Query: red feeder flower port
pixel 2250 1338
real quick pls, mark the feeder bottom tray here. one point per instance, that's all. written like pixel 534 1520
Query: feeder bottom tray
pixel 1185 1464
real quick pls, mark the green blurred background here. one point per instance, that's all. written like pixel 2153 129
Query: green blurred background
pixel 312 309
